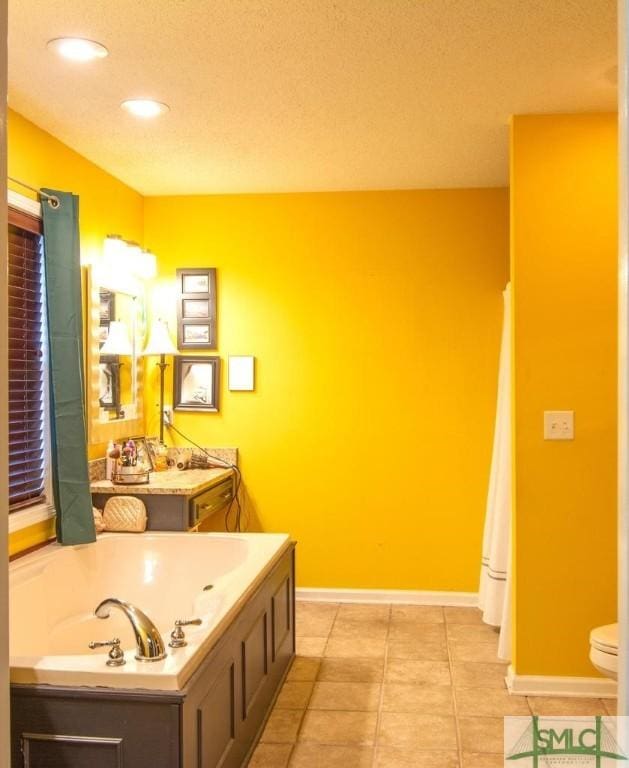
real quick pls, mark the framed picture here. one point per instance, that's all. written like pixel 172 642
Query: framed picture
pixel 107 313
pixel 196 308
pixel 196 335
pixel 142 453
pixel 240 374
pixel 107 306
pixel 193 282
pixel 109 382
pixel 196 383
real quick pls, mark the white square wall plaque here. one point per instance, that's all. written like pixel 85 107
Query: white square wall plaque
pixel 240 373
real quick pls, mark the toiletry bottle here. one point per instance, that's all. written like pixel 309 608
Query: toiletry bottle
pixel 109 461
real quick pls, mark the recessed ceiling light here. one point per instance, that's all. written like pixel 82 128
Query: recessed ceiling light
pixel 144 107
pixel 77 48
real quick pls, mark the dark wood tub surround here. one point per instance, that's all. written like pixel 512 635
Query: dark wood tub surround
pixel 214 721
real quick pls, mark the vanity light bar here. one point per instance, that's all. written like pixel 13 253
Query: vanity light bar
pixel 146 265
pixel 127 256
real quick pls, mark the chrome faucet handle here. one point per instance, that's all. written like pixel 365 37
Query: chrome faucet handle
pixel 177 636
pixel 116 654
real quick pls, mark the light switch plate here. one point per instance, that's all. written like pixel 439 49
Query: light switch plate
pixel 558 425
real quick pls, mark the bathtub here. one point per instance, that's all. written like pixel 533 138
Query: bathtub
pixel 54 591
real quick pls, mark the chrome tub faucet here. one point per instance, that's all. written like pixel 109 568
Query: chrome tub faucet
pixel 149 643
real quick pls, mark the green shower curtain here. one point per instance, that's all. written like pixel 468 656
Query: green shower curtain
pixel 70 474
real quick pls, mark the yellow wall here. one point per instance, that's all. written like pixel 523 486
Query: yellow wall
pixel 371 424
pixel 106 205
pixel 375 320
pixel 564 260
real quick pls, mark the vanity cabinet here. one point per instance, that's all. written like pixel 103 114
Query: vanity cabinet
pixel 214 721
pixel 175 500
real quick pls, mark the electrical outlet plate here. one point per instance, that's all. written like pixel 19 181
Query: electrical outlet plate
pixel 168 415
pixel 558 425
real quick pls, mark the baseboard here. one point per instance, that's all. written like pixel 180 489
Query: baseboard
pixel 398 596
pixel 546 685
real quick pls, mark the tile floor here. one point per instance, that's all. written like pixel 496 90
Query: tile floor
pixel 389 686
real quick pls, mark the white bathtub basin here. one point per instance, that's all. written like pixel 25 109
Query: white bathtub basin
pixel 53 593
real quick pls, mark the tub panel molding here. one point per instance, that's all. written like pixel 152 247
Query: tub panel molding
pixel 255 661
pixel 281 616
pixel 216 718
pixel 213 721
pixel 41 750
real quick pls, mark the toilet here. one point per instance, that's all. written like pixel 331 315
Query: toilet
pixel 604 649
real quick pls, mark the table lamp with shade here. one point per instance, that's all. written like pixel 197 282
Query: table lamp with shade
pixel 160 344
pixel 117 344
pixel 118 341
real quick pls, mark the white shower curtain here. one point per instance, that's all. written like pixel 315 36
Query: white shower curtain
pixel 495 578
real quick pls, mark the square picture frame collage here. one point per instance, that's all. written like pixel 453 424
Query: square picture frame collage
pixel 196 378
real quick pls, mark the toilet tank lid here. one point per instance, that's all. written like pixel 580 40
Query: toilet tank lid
pixel 605 638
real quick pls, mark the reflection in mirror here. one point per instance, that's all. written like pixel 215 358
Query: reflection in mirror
pixel 116 330
pixel 109 387
pixel 117 362
pixel 117 355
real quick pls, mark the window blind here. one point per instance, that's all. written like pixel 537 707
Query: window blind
pixel 26 362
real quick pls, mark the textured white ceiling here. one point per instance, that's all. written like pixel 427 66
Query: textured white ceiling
pixel 289 95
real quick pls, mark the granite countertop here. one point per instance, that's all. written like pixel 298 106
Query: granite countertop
pixel 179 482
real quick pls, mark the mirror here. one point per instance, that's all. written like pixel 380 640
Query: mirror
pixel 115 336
pixel 116 354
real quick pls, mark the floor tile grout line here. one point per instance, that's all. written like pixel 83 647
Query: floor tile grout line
pixel 305 710
pixel 459 745
pixel 334 620
pixel 376 740
pixel 301 721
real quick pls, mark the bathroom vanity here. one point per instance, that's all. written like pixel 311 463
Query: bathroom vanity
pixel 175 500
